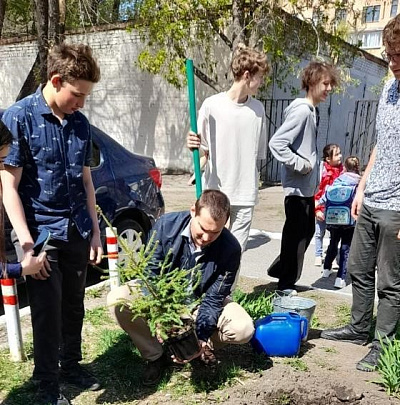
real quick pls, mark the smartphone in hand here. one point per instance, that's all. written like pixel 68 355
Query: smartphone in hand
pixel 41 242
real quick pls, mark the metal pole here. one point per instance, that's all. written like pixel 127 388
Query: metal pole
pixel 112 254
pixel 11 311
pixel 193 123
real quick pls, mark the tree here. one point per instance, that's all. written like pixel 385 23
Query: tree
pixel 173 30
pixel 3 6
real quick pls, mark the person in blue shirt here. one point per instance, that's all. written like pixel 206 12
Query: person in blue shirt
pixel 198 236
pixel 30 264
pixel 49 187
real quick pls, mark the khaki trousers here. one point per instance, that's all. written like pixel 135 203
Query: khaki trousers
pixel 234 325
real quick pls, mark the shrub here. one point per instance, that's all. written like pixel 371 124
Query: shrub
pixel 257 304
pixel 164 300
pixel 389 366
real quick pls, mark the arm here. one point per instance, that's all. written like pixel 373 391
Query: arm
pixel 30 265
pixel 262 143
pixel 281 142
pixel 10 179
pixel 212 304
pixel 96 250
pixel 198 141
pixel 358 199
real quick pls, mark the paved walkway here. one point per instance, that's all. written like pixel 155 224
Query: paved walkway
pixel 263 247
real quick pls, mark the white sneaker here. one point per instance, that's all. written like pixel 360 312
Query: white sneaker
pixel 326 273
pixel 289 292
pixel 335 264
pixel 318 261
pixel 340 283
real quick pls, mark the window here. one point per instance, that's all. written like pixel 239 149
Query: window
pixel 340 15
pixel 371 14
pixel 370 39
pixel 393 10
pixel 96 156
pixel 317 17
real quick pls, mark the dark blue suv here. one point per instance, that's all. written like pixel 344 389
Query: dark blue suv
pixel 127 185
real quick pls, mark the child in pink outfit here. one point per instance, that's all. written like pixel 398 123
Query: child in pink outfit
pixel 332 168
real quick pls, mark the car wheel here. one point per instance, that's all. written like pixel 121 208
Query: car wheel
pixel 132 232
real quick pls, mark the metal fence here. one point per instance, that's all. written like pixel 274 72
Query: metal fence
pixel 361 139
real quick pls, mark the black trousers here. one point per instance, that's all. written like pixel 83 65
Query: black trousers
pixel 375 259
pixel 57 306
pixel 297 233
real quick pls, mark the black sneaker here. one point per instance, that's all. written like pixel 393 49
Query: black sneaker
pixel 154 371
pixel 79 377
pixel 48 393
pixel 370 361
pixel 345 334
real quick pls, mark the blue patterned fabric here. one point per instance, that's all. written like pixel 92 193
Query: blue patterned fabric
pixel 52 154
pixel 383 185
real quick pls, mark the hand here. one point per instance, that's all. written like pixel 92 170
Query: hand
pixel 398 235
pixel 307 167
pixel 320 216
pixel 96 250
pixel 45 269
pixel 193 141
pixel 32 264
pixel 357 204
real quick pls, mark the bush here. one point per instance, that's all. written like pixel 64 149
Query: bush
pixel 164 300
pixel 257 304
pixel 389 366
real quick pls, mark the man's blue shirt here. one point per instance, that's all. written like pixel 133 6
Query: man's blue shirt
pixel 52 155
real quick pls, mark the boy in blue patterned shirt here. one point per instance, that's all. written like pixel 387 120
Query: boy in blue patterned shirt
pixel 49 186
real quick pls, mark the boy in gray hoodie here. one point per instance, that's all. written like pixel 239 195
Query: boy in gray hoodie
pixel 294 145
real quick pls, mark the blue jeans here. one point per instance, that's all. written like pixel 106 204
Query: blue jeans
pixel 320 228
pixel 344 234
pixel 375 249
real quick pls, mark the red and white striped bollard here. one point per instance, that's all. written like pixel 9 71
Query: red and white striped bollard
pixel 11 311
pixel 112 255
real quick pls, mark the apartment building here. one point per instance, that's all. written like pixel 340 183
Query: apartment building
pixel 360 21
pixel 374 16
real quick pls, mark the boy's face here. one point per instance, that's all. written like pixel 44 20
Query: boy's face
pixel 254 82
pixel 203 228
pixel 393 56
pixel 320 91
pixel 70 97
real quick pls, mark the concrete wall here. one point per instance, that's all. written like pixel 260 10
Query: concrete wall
pixel 147 115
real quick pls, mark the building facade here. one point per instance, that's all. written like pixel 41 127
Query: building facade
pixel 361 21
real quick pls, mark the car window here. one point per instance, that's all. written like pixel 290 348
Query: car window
pixel 95 160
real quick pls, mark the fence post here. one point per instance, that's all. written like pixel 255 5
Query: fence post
pixel 11 311
pixel 112 255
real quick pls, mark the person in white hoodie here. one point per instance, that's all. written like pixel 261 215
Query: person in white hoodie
pixel 294 145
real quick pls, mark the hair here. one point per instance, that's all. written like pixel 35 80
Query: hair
pixel 73 62
pixel 352 164
pixel 314 71
pixel 391 33
pixel 328 151
pixel 5 140
pixel 245 58
pixel 216 202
